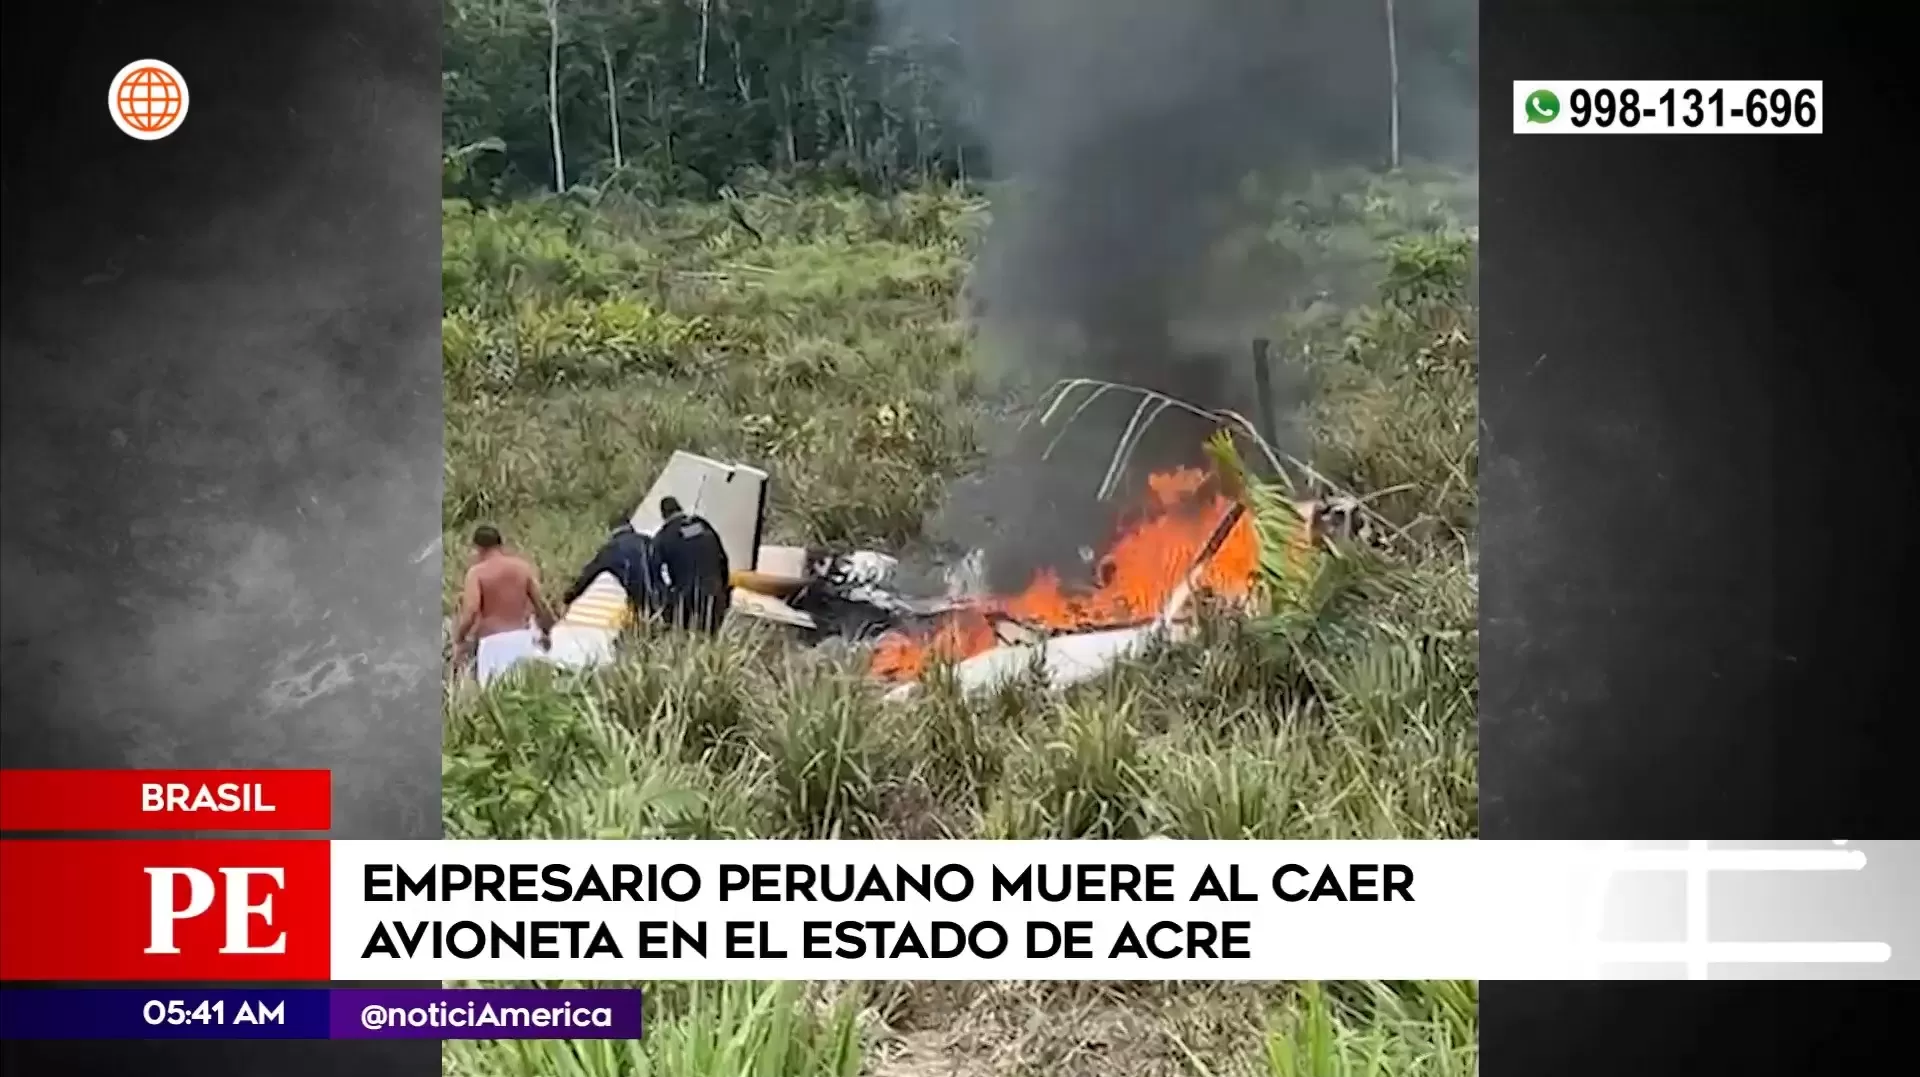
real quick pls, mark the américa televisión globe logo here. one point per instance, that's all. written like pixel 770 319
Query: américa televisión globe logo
pixel 148 99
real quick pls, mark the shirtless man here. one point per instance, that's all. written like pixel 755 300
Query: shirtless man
pixel 502 596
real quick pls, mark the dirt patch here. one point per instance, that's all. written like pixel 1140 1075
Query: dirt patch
pixel 1069 1030
pixel 924 1054
pixel 910 812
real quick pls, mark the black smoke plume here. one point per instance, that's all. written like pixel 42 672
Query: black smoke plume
pixel 1118 132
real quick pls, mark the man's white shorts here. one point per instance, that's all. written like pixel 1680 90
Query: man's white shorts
pixel 502 651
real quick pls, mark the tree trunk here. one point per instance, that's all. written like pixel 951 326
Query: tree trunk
pixel 787 138
pixel 663 126
pixel 655 123
pixel 613 105
pixel 741 78
pixel 553 93
pixel 1393 86
pixel 700 73
pixel 847 118
pixel 797 63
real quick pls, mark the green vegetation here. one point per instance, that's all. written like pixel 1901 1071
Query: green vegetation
pixel 1349 1029
pixel 679 98
pixel 584 342
pixel 770 270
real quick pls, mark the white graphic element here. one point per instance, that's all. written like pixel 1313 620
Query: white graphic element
pixel 1698 950
pixel 1692 107
pixel 148 100
pixel 1698 871
pixel 1485 910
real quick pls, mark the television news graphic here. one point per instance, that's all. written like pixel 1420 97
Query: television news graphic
pixel 856 910
pixel 1560 107
pixel 433 1013
pixel 139 800
pixel 164 910
pixel 148 100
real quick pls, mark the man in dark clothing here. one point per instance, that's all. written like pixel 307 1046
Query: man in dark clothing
pixel 699 585
pixel 629 557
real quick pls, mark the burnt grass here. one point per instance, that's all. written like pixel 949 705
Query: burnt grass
pixel 584 343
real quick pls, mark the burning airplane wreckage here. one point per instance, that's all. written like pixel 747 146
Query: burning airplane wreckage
pixel 1185 539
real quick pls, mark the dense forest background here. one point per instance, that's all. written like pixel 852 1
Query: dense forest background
pixel 683 98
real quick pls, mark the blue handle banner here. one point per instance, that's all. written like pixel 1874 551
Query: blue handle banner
pixel 430 1013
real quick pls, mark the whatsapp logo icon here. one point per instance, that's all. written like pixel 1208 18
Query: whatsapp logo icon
pixel 1542 106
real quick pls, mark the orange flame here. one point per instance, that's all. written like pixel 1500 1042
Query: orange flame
pixel 1137 575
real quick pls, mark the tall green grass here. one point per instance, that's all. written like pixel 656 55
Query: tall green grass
pixel 1347 1029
